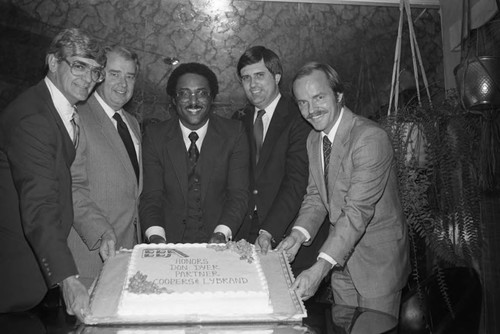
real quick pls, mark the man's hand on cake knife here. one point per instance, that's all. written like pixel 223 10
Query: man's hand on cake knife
pixel 291 244
pixel 75 297
pixel 108 242
pixel 308 281
pixel 217 238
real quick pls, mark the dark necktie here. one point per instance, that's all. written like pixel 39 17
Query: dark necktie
pixel 258 132
pixel 327 149
pixel 193 149
pixel 75 123
pixel 127 141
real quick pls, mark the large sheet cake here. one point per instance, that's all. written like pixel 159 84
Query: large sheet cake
pixel 107 292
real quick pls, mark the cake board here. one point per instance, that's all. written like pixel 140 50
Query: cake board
pixel 105 295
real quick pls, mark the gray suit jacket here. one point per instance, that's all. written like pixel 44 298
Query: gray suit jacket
pixel 105 189
pixel 368 232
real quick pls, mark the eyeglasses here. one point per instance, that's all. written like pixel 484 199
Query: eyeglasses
pixel 185 94
pixel 79 68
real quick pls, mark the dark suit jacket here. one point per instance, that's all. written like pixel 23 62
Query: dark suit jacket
pixel 36 153
pixel 368 231
pixel 278 182
pixel 223 162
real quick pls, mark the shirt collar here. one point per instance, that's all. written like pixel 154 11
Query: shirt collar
pixel 270 108
pixel 63 107
pixel 107 109
pixel 333 131
pixel 201 133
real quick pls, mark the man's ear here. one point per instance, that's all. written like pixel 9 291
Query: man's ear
pixel 277 78
pixel 52 62
pixel 340 97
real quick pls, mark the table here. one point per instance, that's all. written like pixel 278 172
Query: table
pixel 322 318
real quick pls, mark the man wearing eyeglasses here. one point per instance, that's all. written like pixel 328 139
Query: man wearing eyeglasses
pixel 38 134
pixel 106 172
pixel 195 166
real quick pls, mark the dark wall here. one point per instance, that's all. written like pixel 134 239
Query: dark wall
pixel 358 41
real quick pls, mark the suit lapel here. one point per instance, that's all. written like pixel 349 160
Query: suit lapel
pixel 109 132
pixel 208 153
pixel 176 150
pixel 248 123
pixel 137 133
pixel 339 147
pixel 278 122
pixel 69 148
pixel 317 170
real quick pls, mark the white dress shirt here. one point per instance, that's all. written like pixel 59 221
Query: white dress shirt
pixel 63 107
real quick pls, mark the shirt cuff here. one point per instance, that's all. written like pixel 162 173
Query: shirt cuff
pixel 224 230
pixel 155 230
pixel 327 258
pixel 303 231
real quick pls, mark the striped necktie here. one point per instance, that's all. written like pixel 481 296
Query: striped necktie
pixel 75 123
pixel 327 150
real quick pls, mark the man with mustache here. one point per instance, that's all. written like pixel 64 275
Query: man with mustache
pixel 106 172
pixel 195 166
pixel 38 136
pixel 353 182
pixel 278 156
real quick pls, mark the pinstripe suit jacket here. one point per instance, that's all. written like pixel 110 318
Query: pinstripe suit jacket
pixel 105 189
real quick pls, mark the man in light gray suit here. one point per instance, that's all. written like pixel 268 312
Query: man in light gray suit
pixel 107 173
pixel 352 180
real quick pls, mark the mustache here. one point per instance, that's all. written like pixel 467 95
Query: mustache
pixel 194 106
pixel 317 113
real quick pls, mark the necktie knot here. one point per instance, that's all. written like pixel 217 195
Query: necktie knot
pixel 118 118
pixel 193 136
pixel 326 142
pixel 260 113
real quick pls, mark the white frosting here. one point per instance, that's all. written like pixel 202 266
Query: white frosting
pixel 196 280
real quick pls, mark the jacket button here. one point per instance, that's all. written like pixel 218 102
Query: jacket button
pixel 255 191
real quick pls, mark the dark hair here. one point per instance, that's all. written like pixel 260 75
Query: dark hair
pixel 75 42
pixel 255 54
pixel 195 68
pixel 332 76
pixel 125 53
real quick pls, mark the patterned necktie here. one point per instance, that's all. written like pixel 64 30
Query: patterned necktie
pixel 127 141
pixel 327 150
pixel 193 149
pixel 75 123
pixel 258 132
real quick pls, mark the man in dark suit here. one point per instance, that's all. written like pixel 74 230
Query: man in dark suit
pixel 106 173
pixel 195 166
pixel 353 182
pixel 38 135
pixel 278 167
